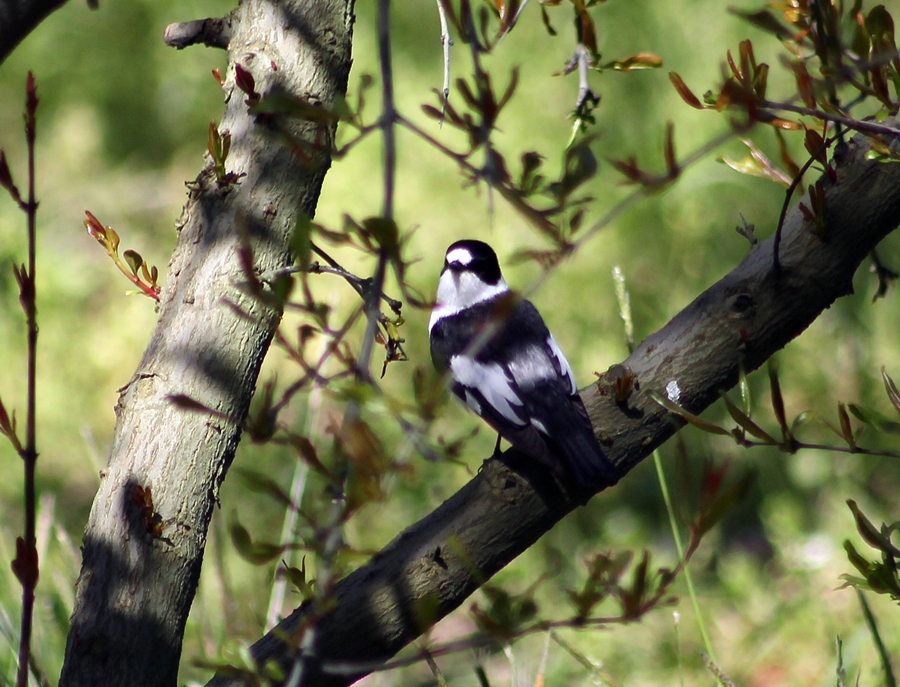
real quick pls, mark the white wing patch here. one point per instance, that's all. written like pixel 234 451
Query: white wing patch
pixel 539 426
pixel 563 364
pixel 472 402
pixel 532 365
pixel 491 381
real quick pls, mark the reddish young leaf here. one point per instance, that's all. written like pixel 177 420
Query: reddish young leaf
pixel 244 80
pixel 25 564
pixel 805 83
pixel 6 180
pixel 846 427
pixel 686 94
pixel 584 24
pixel 8 427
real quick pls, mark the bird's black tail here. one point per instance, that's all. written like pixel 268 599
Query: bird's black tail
pixel 580 452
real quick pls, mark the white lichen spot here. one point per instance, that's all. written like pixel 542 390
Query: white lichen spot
pixel 673 392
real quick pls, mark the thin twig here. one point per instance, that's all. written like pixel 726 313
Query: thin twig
pixel 489 170
pixel 476 641
pixel 359 284
pixel 312 373
pixel 849 122
pixel 331 531
pixel 26 555
pixel 776 261
pixel 388 121
pixel 446 42
pixel 797 445
pixel 510 195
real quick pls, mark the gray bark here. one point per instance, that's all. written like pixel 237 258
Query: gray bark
pixel 435 564
pixel 135 589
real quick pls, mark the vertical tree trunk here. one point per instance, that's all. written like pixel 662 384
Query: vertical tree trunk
pixel 136 586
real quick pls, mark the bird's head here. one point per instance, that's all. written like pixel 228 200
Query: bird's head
pixel 471 275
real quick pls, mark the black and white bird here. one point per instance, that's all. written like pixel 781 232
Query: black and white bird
pixel 506 366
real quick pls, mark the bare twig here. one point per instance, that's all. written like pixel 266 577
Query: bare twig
pixel 849 122
pixel 387 122
pixel 446 42
pixel 360 284
pixel 25 564
pixel 776 262
pixel 312 373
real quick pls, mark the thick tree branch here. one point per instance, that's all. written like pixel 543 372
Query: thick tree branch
pixel 18 18
pixel 434 565
pixel 167 463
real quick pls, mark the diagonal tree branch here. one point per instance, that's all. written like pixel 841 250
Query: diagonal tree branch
pixel 435 564
pixel 138 578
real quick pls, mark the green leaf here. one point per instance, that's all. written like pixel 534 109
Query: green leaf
pixel 874 419
pixel 263 484
pixel 891 389
pixel 756 164
pixel 778 399
pixel 870 534
pixel 802 419
pixel 8 427
pixel 384 231
pixel 689 417
pixel 846 427
pixel 746 423
pixel 641 60
pixel 255 552
pixel 856 558
pixel 297 577
pixel 214 143
pixel 134 260
pixel 889 679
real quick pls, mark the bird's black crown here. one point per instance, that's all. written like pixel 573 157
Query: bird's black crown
pixel 471 255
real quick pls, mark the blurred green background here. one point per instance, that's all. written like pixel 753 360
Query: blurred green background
pixel 122 125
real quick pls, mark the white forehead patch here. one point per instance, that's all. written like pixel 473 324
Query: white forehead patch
pixel 461 256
